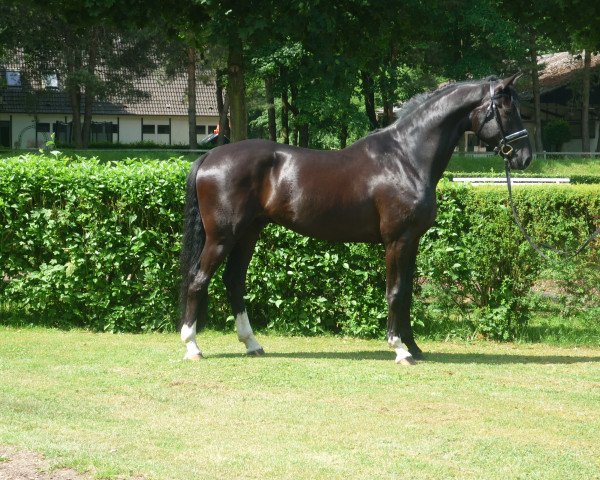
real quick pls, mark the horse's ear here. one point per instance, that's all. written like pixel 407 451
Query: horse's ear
pixel 507 82
pixel 511 80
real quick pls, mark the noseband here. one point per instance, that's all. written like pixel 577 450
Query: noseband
pixel 504 147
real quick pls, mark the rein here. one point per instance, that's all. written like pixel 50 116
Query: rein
pixel 536 247
pixel 505 150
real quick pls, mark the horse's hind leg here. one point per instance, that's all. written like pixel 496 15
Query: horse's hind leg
pixel 400 261
pixel 196 309
pixel 234 278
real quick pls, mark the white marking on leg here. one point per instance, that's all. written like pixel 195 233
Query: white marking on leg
pixel 188 336
pixel 401 352
pixel 244 332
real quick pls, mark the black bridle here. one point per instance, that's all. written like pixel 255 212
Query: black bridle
pixel 504 147
pixel 506 150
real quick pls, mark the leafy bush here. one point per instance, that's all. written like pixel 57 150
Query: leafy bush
pixel 96 245
pixel 578 288
pixel 555 133
pixel 476 262
pixel 91 245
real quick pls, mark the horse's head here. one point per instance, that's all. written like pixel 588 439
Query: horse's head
pixel 497 121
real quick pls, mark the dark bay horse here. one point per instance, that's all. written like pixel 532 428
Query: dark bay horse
pixel 380 189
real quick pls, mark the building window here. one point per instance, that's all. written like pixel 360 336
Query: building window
pixel 200 129
pixel 101 132
pixel 13 78
pixel 148 129
pixel 62 131
pixel 164 129
pixel 42 127
pixel 212 128
pixel 51 81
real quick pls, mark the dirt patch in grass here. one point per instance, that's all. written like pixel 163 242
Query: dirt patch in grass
pixel 23 465
pixel 18 464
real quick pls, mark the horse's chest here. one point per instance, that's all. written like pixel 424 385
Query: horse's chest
pixel 408 209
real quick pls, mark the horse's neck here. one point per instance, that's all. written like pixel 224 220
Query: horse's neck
pixel 440 122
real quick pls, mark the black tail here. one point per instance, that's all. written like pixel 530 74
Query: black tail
pixel 193 237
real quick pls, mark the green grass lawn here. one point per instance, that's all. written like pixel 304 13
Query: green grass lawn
pixel 312 408
pixel 563 167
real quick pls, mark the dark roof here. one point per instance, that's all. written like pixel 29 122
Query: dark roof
pixel 163 96
pixel 560 69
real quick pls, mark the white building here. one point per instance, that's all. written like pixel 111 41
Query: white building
pixel 28 116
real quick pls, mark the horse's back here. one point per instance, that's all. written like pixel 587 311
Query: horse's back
pixel 324 194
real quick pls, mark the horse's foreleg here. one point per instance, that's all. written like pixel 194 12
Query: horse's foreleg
pixel 234 278
pixel 196 310
pixel 401 257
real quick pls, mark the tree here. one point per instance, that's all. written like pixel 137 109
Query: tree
pixel 183 26
pixel 538 28
pixel 581 23
pixel 234 27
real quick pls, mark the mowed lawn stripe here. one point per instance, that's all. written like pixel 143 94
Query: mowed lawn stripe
pixel 320 407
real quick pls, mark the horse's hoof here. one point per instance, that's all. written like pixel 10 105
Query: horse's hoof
pixel 406 361
pixel 417 354
pixel 193 357
pixel 256 353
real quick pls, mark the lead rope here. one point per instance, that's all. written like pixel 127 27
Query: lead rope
pixel 563 254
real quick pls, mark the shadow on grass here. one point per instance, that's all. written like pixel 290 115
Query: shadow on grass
pixel 487 359
pixel 433 357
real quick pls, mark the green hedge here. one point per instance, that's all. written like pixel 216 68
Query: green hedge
pixel 97 246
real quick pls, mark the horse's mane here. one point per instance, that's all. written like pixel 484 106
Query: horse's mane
pixel 418 100
pixel 415 102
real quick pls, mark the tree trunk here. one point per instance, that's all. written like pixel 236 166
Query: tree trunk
pixel 75 100
pixel 368 88
pixel 585 107
pixel 535 82
pixel 388 113
pixel 89 96
pixel 223 108
pixel 87 118
pixel 237 91
pixel 388 84
pixel 303 135
pixel 343 135
pixel 74 91
pixel 285 128
pixel 191 91
pixel 297 137
pixel 224 121
pixel 388 105
pixel 270 108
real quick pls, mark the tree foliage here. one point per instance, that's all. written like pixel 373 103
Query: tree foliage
pixel 305 71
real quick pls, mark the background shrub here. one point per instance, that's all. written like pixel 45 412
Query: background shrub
pixel 555 133
pixel 96 245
